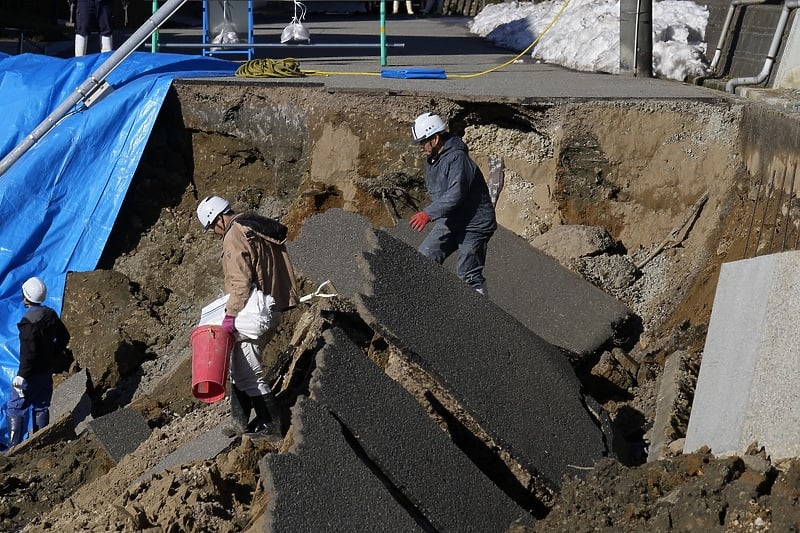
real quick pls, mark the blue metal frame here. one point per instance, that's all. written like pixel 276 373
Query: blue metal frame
pixel 211 49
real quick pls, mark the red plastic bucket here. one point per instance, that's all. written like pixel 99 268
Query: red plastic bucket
pixel 211 349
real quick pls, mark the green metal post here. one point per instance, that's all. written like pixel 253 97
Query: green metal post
pixel 383 33
pixel 154 37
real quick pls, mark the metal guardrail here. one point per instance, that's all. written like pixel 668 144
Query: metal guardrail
pixel 22 42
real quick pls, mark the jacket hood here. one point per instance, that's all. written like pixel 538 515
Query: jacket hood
pixel 451 143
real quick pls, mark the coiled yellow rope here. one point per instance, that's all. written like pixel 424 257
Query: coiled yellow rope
pixel 290 67
pixel 270 68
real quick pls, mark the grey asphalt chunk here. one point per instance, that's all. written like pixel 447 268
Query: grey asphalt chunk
pixel 329 247
pixel 552 301
pixel 72 396
pixel 206 446
pixel 406 445
pixel 519 388
pixel 322 485
pixel 120 432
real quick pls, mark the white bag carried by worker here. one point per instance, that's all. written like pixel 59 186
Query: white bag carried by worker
pixel 251 322
pixel 256 317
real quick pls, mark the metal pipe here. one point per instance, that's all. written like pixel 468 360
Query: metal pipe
pixel 752 216
pixel 773 50
pixel 277 45
pixel 777 210
pixel 764 214
pixel 383 32
pixel 92 83
pixel 726 26
pixel 788 218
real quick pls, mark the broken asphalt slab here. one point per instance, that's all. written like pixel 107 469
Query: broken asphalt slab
pixel 207 445
pixel 519 388
pixel 551 300
pixel 120 432
pixel 72 396
pixel 404 445
pixel 366 457
pixel 321 485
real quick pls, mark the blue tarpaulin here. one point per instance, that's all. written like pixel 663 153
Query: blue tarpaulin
pixel 59 201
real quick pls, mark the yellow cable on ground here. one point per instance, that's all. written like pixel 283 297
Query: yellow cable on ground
pixel 290 67
pixel 538 37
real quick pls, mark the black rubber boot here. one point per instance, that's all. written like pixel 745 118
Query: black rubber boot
pixel 15 423
pixel 40 419
pixel 240 414
pixel 268 418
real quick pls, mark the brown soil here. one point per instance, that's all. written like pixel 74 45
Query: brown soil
pixel 131 318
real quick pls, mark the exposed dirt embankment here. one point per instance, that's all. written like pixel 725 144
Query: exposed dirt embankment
pixel 634 169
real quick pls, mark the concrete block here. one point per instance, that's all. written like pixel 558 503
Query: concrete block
pixel 322 484
pixel 750 371
pixel 120 432
pixel 669 392
pixel 405 445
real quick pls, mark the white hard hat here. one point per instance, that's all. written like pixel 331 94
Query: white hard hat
pixel 210 208
pixel 34 290
pixel 425 125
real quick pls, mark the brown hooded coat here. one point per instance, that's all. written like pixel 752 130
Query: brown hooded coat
pixel 251 255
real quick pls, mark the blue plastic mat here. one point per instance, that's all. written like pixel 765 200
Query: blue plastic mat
pixel 415 73
pixel 59 201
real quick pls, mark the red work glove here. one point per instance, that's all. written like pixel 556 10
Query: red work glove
pixel 227 324
pixel 419 221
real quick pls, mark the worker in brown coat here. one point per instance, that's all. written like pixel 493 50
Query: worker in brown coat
pixel 253 255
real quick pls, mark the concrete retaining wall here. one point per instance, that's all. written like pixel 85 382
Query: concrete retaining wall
pixel 750 373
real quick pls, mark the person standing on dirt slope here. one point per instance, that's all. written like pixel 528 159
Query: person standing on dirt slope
pixel 253 253
pixel 461 207
pixel 42 340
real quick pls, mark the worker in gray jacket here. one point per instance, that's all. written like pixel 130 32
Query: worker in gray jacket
pixel 461 207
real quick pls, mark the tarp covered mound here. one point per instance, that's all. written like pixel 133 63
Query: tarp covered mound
pixel 60 199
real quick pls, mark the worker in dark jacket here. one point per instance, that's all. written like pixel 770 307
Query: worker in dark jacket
pixel 42 339
pixel 461 207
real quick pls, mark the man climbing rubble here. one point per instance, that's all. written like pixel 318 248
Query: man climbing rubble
pixel 42 340
pixel 253 254
pixel 461 206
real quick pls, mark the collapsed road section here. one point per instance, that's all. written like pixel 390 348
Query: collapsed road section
pixel 495 387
